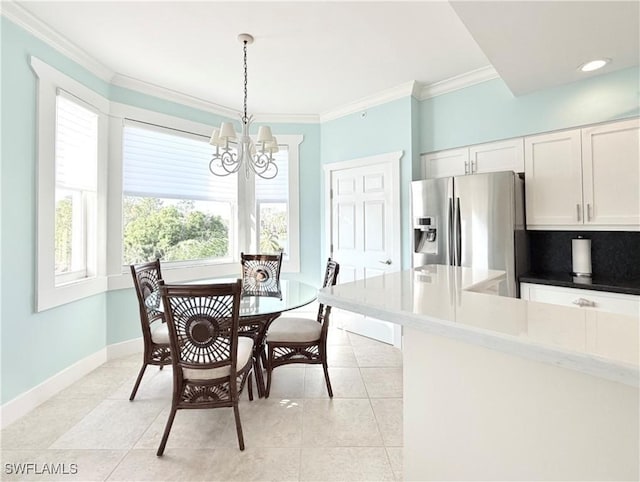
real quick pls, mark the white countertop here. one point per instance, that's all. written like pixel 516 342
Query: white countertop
pixel 444 300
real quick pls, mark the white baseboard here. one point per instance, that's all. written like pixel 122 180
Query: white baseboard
pixel 125 348
pixel 27 401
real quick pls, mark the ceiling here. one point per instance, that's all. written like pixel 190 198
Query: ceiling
pixel 535 45
pixel 315 57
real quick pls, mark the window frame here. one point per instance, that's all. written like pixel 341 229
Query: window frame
pixel 84 236
pixel 49 294
pixel 242 240
pixel 291 260
pixel 79 236
pixel 190 134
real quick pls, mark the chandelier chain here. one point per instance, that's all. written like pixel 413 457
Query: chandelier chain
pixel 231 150
pixel 244 118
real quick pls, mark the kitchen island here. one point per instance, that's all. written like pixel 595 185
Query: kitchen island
pixel 499 388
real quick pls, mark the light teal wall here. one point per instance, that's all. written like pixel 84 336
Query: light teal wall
pixel 487 111
pixel 36 346
pixel 144 101
pixel 384 128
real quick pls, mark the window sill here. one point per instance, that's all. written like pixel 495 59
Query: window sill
pixel 177 274
pixel 182 273
pixel 51 297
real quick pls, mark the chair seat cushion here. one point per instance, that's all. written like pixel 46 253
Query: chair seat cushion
pixel 294 330
pixel 159 333
pixel 245 349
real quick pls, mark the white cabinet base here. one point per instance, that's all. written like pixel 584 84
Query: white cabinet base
pixel 471 413
pixel 588 299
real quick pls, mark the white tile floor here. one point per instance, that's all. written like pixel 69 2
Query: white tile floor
pixel 296 434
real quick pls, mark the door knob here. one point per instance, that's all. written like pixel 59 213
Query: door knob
pixel 385 262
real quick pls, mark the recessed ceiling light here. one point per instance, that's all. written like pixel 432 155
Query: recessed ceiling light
pixel 594 65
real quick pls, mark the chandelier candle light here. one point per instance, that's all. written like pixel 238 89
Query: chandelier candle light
pixel 232 150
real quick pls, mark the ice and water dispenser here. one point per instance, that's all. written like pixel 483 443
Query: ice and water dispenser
pixel 429 211
pixel 424 235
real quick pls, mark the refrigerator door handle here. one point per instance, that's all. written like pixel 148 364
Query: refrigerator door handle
pixel 458 229
pixel 451 260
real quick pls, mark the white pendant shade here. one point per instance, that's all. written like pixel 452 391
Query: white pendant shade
pixel 215 138
pixel 271 146
pixel 264 134
pixel 227 131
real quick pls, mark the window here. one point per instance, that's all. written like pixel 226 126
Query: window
pixel 173 208
pixel 160 170
pixel 272 208
pixel 76 160
pixel 72 134
pixel 277 204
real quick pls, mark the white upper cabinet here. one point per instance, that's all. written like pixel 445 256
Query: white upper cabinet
pixel 584 178
pixel 497 156
pixel 490 157
pixel 452 162
pixel 553 179
pixel 611 173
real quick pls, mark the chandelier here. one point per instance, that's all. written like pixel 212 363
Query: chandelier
pixel 233 150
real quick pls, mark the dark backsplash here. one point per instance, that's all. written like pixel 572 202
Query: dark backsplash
pixel 614 254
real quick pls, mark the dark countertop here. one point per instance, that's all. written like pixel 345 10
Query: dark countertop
pixel 596 283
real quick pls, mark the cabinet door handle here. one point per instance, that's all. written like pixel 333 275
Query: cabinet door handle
pixel 583 302
pixel 474 167
pixel 466 167
pixel 578 212
pixel 589 213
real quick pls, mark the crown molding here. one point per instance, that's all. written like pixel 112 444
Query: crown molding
pixel 458 82
pixel 403 90
pixel 287 118
pixel 22 17
pixel 172 95
pixel 201 104
pixel 36 27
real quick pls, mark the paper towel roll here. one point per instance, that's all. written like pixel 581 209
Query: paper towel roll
pixel 581 254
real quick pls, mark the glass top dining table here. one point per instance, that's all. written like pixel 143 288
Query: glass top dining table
pixel 293 294
pixel 257 312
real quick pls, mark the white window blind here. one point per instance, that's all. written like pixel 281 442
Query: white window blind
pixel 165 163
pixel 76 144
pixel 276 189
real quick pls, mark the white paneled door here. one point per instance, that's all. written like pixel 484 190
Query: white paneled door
pixel 364 223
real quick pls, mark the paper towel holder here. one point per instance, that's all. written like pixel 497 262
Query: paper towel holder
pixel 581 258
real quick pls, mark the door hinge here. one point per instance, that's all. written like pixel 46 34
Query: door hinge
pixel 331 193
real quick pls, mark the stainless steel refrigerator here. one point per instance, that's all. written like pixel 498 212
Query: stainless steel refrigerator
pixel 475 221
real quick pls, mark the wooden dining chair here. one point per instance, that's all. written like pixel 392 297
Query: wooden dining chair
pixel 302 340
pixel 146 278
pixel 211 363
pixel 260 277
pixel 261 274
